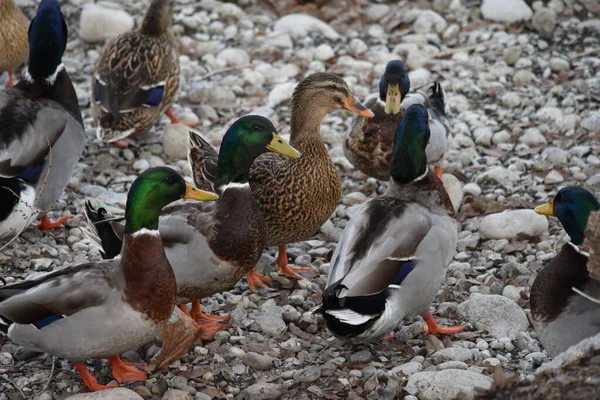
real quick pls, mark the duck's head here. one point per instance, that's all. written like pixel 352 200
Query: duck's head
pixel 47 42
pixel 393 86
pixel 153 190
pixel 158 18
pixel 409 161
pixel 246 139
pixel 572 206
pixel 327 92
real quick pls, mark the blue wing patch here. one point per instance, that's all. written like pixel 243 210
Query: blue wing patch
pixel 31 174
pixel 97 88
pixel 47 321
pixel 403 271
pixel 155 96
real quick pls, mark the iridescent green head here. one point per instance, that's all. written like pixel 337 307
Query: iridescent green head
pixel 246 139
pixel 153 190
pixel 572 206
pixel 412 135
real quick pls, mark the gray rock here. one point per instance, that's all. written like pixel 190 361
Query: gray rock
pixel 234 57
pixel 174 394
pixel 496 314
pixel 102 21
pixel 512 55
pixel 452 354
pixel 511 99
pixel 544 21
pixel 429 21
pixel 452 365
pixel 512 223
pixel 559 64
pixel 553 177
pixel 108 394
pixel 408 368
pixel 308 375
pixel 257 361
pixel 508 11
pixel 376 12
pixel 271 325
pixel 447 385
pixel 533 137
pixel 454 189
pixel 499 175
pixel 262 391
pixel 300 25
pixel 591 123
pixel 175 139
pixel 363 356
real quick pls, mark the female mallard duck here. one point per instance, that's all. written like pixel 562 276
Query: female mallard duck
pixel 14 47
pixel 99 309
pixel 392 257
pixel 41 129
pixel 137 77
pixel 369 145
pixel 212 246
pixel 297 196
pixel 561 316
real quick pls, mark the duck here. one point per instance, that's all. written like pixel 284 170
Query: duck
pixel 561 298
pixel 393 254
pixel 14 47
pixel 369 144
pixel 41 129
pixel 296 196
pixel 136 78
pixel 105 308
pixel 211 246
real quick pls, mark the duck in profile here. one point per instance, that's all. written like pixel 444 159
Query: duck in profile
pixel 41 129
pixel 104 308
pixel 393 254
pixel 136 78
pixel 562 305
pixel 369 144
pixel 14 47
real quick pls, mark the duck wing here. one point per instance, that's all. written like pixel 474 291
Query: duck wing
pixel 203 159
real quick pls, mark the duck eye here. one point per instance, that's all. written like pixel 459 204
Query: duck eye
pixel 256 128
pixel 168 179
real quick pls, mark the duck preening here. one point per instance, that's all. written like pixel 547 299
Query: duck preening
pixel 102 309
pixel 393 254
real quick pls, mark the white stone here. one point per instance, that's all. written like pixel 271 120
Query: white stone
pixel 483 135
pixel 472 188
pixel 591 123
pixel 511 99
pixel 533 137
pixel 281 93
pixel 234 57
pixel 495 314
pixel 323 52
pixel 376 12
pixel 511 292
pixel 175 140
pixel 512 223
pixel 429 21
pixel 419 77
pixel 553 177
pixel 498 174
pixel 454 189
pixel 555 155
pixel 452 354
pixel 508 11
pixel 103 20
pixel 408 368
pixel 119 393
pixel 357 46
pixel 300 25
pixel 559 64
pixel 449 384
pixel 550 114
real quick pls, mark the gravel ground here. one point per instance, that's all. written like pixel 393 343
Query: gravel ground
pixel 524 99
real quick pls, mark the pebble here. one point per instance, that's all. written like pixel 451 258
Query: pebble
pixel 300 25
pixel 452 354
pixel 324 52
pixel 363 356
pixel 271 325
pixel 553 177
pixel 408 368
pixel 511 99
pixel 234 57
pixel 175 141
pixel 544 21
pixel 507 11
pixel 511 292
pixel 308 375
pixel 512 55
pixel 512 223
pixel 495 314
pixel 591 123
pixel 447 384
pixel 257 361
pixel 559 64
pixel 452 365
pixel 262 391
pixel 119 393
pixel 102 21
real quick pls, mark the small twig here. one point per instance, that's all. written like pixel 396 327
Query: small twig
pixel 49 377
pixel 14 385
pixel 585 53
pixel 585 295
pixel 448 53
pixel 47 172
pixel 222 70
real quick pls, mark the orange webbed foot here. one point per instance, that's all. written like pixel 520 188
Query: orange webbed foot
pixel 125 372
pixel 389 337
pixel 431 327
pixel 199 316
pixel 208 329
pixel 175 120
pixel 255 279
pixel 286 269
pixel 46 223
pixel 124 143
pixel 89 381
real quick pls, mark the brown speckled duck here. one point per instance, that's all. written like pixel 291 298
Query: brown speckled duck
pixel 137 77
pixel 14 46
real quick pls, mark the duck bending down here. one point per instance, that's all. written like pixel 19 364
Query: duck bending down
pixel 369 144
pixel 562 305
pixel 41 129
pixel 102 309
pixel 393 254
pixel 212 246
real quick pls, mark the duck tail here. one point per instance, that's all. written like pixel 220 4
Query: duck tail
pixel 437 99
pixel 5 323
pixel 100 231
pixel 203 159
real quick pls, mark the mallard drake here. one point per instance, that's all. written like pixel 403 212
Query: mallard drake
pixel 296 196
pixel 109 307
pixel 369 144
pixel 212 246
pixel 14 47
pixel 41 129
pixel 562 314
pixel 137 77
pixel 393 254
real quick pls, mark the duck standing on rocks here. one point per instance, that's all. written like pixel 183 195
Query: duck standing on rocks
pixel 41 129
pixel 136 78
pixel 212 246
pixel 562 305
pixel 109 307
pixel 393 254
pixel 296 196
pixel 14 47
pixel 369 145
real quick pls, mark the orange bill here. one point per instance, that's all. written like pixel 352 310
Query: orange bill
pixel 351 104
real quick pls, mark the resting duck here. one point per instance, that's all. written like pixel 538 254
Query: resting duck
pixel 41 129
pixel 563 315
pixel 212 246
pixel 369 145
pixel 136 78
pixel 296 196
pixel 109 307
pixel 392 257
pixel 14 47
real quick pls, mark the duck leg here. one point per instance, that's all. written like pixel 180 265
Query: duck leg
pixel 432 327
pixel 198 315
pixel 88 380
pixel 255 279
pixel 124 143
pixel 175 120
pixel 125 372
pixel 46 224
pixel 11 82
pixel 286 269
pixel 438 171
pixel 208 328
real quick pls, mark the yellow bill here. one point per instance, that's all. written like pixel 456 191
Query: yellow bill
pixel 278 145
pixel 392 99
pixel 545 209
pixel 193 193
pixel 351 104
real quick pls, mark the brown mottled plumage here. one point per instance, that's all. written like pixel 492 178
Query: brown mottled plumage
pixel 130 74
pixel 591 244
pixel 14 45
